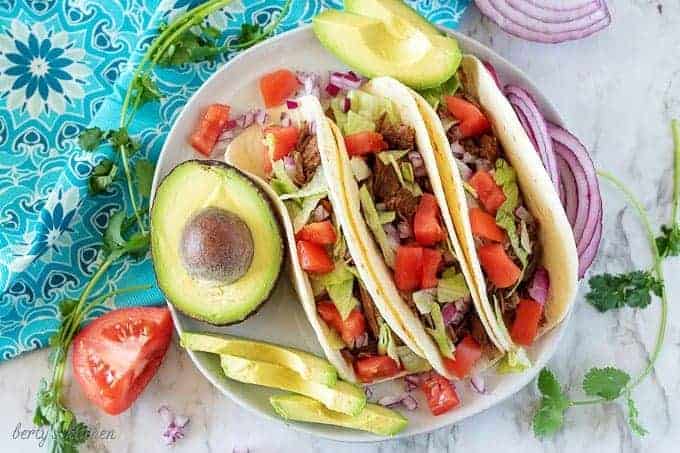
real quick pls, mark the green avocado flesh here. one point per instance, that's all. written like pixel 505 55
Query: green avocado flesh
pixel 342 397
pixel 373 418
pixel 398 43
pixel 308 366
pixel 215 241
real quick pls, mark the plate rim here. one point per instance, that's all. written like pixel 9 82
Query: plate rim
pixel 348 435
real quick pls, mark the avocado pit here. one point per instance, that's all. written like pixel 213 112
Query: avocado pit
pixel 216 245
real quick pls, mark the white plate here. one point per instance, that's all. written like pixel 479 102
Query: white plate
pixel 281 320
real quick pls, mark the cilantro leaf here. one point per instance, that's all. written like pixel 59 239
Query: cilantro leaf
pixel 549 416
pixel 191 46
pixel 250 33
pixel 668 242
pixel 121 139
pixel 89 139
pixel 145 89
pixel 632 289
pixel 633 421
pixel 115 242
pixel 607 383
pixel 144 176
pixel 103 174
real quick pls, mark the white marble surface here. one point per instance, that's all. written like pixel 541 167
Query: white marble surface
pixel 618 91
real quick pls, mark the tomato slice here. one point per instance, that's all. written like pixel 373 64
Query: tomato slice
pixel 408 267
pixel 484 226
pixel 472 121
pixel 280 141
pixel 440 394
pixel 468 351
pixel 363 143
pixel 426 227
pixel 374 367
pixel 431 261
pixel 498 266
pixel 278 86
pixel 349 329
pixel 527 318
pixel 490 195
pixel 117 354
pixel 314 258
pixel 321 233
pixel 209 128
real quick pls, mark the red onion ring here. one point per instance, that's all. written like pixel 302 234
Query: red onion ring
pixel 554 13
pixel 533 122
pixel 588 256
pixel 569 188
pixel 553 29
pixel 494 74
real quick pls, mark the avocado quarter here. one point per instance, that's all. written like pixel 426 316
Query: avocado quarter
pixel 216 242
pixel 343 397
pixel 373 418
pixel 308 365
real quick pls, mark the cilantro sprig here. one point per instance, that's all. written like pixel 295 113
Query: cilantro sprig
pixel 608 292
pixel 186 39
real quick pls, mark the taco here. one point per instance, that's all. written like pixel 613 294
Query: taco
pixel 512 228
pixel 388 183
pixel 357 332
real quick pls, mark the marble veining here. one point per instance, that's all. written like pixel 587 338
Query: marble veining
pixel 617 91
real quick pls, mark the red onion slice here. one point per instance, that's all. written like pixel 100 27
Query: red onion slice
pixel 494 74
pixel 547 12
pixel 552 27
pixel 535 125
pixel 345 80
pixel 570 198
pixel 588 256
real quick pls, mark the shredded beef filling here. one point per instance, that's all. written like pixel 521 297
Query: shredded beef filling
pixel 307 156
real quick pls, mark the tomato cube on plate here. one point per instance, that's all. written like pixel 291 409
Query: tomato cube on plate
pixel 209 128
pixel 440 394
pixel 374 367
pixel 278 86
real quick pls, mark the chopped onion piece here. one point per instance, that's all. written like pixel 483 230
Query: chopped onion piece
pixel 332 90
pixel 540 286
pixel 405 399
pixel 404 229
pixel 346 104
pixel 478 384
pixel 345 80
pixel 320 214
pixel 311 83
pixel 291 104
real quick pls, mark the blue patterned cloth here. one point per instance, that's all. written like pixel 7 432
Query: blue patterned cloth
pixel 64 65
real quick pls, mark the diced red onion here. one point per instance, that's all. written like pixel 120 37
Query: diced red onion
pixel 410 403
pixel 392 234
pixel 361 340
pixel 482 164
pixel 404 229
pixel 535 125
pixel 469 158
pixel 478 384
pixel 465 171
pixel 345 80
pixel 523 213
pixel 291 104
pixel 540 286
pixel 368 391
pixel 544 21
pixel 231 124
pixel 451 315
pixel 175 425
pixel 311 83
pixel 494 75
pixel 320 214
pixel 412 382
pixel 285 119
pixel 346 104
pixel 391 401
pixel 416 159
pixel 289 166
pixel 332 90
pixel 261 116
pixel 457 149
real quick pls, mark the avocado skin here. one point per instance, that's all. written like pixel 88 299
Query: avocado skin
pixel 279 225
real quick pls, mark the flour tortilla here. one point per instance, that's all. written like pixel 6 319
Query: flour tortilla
pixel 368 258
pixel 559 255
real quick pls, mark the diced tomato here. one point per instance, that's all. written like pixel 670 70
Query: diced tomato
pixel 209 128
pixel 468 351
pixel 321 233
pixel 472 121
pixel 408 267
pixel 280 141
pixel 440 394
pixel 370 368
pixel 484 226
pixel 498 266
pixel 314 258
pixel 527 318
pixel 426 227
pixel 363 143
pixel 431 261
pixel 349 329
pixel 117 354
pixel 278 86
pixel 490 195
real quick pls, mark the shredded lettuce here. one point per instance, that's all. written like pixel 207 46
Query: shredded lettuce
pixel 524 238
pixel 340 116
pixel 340 273
pixel 341 295
pixel 439 333
pixel 360 168
pixel 407 172
pixel 387 216
pixel 506 178
pixel 386 344
pixel 451 287
pixel 308 205
pixel 357 123
pixel 424 300
pixel 316 186
pixel 411 361
pixel 335 340
pixel 281 182
pixel 392 157
pixel 372 107
pixel 373 222
pixel 434 95
pixel 514 361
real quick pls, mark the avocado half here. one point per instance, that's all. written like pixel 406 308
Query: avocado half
pixel 216 242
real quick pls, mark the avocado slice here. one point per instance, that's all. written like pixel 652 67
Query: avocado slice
pixel 396 46
pixel 216 242
pixel 395 13
pixel 342 397
pixel 309 366
pixel 375 419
